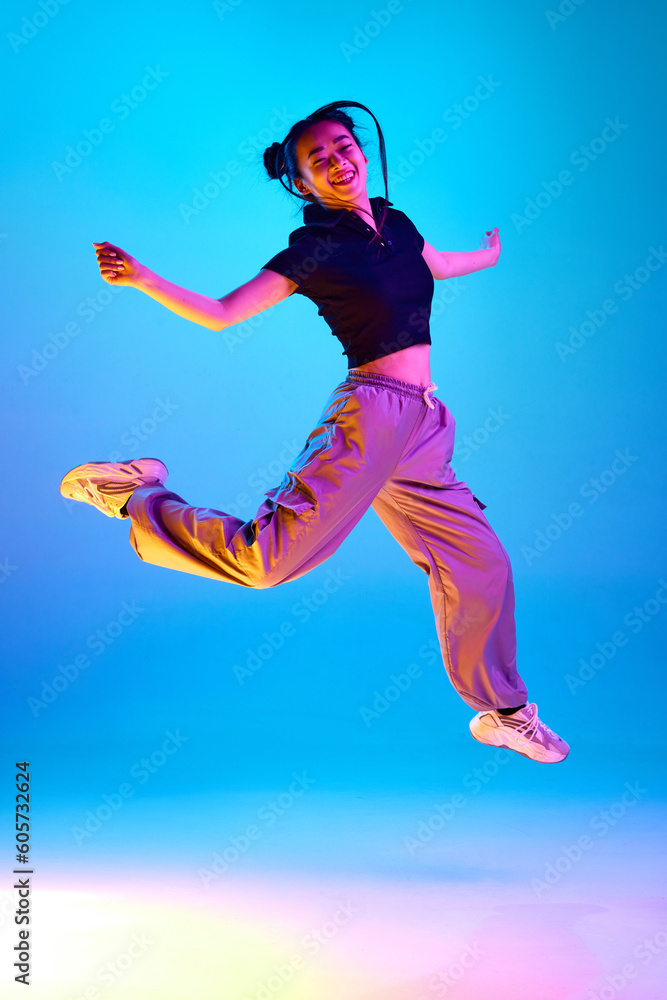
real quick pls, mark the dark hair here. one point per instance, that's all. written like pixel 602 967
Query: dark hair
pixel 280 157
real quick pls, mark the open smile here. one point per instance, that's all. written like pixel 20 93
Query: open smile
pixel 345 178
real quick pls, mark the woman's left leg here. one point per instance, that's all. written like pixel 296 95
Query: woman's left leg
pixel 440 524
pixel 470 581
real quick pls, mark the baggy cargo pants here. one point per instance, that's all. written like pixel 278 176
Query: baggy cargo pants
pixel 380 443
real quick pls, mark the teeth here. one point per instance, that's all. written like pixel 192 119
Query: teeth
pixel 345 177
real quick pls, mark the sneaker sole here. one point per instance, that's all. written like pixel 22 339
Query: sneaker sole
pixel 494 738
pixel 146 467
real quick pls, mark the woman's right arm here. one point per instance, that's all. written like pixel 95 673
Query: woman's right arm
pixel 260 293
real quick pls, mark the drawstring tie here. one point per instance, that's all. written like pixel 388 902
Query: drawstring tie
pixel 429 388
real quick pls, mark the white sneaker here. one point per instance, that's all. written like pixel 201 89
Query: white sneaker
pixel 522 731
pixel 109 485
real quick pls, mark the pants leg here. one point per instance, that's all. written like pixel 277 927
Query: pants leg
pixel 356 445
pixel 440 524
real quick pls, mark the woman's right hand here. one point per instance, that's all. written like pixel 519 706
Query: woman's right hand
pixel 116 266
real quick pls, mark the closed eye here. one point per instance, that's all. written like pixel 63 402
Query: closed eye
pixel 320 158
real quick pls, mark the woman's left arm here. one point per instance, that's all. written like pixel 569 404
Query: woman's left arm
pixel 451 264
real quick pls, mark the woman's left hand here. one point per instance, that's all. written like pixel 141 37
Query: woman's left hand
pixel 491 241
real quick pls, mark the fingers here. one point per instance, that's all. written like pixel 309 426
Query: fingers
pixel 105 250
pixel 109 259
pixel 108 252
pixel 110 267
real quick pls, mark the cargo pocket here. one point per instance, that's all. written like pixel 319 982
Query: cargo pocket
pixel 479 502
pixel 288 494
pixel 297 505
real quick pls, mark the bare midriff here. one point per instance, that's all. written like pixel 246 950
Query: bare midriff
pixel 412 364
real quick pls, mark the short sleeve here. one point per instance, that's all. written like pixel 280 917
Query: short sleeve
pixel 410 231
pixel 293 261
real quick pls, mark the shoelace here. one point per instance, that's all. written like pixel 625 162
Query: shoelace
pixel 429 388
pixel 529 729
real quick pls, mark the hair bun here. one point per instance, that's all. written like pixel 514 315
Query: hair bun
pixel 271 156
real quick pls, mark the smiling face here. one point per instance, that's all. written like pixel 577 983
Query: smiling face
pixel 331 164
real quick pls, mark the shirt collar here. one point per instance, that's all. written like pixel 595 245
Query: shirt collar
pixel 315 213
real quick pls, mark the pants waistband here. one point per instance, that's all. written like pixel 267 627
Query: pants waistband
pixel 393 384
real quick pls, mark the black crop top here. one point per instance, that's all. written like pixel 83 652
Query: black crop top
pixel 376 299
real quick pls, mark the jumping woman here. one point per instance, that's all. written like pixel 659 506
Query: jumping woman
pixel 383 439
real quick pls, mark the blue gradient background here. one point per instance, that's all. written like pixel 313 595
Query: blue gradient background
pixel 241 408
